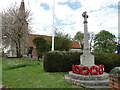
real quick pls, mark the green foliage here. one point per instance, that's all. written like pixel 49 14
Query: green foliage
pixel 108 60
pixel 104 42
pixel 79 36
pixel 59 61
pixel 62 61
pixel 41 45
pixel 61 43
pixel 2 54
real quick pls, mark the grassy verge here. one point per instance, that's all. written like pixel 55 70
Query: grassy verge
pixel 32 76
pixel 9 63
pixel 0 71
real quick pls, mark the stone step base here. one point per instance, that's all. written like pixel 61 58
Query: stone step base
pixel 89 77
pixel 88 83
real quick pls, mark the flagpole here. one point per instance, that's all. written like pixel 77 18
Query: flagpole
pixel 118 23
pixel 53 28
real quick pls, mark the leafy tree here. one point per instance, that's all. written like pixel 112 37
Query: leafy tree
pixel 62 41
pixel 79 37
pixel 41 46
pixel 104 42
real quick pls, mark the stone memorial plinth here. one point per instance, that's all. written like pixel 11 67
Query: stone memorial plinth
pixel 88 80
pixel 87 58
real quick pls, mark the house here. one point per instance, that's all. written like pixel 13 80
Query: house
pixel 32 48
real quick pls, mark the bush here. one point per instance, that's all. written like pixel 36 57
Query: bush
pixel 108 60
pixel 60 61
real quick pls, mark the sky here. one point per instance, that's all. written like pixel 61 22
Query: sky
pixel 103 15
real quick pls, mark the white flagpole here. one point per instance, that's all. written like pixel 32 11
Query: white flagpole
pixel 53 28
pixel 118 22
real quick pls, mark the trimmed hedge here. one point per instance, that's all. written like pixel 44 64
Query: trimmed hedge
pixel 61 61
pixel 109 60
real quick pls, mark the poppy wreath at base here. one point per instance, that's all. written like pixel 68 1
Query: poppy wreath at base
pixel 84 70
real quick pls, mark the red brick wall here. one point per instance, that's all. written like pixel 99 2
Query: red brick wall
pixel 114 83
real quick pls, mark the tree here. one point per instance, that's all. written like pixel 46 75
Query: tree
pixel 62 41
pixel 104 42
pixel 15 28
pixel 79 37
pixel 41 46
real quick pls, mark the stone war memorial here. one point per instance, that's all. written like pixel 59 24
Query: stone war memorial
pixel 87 74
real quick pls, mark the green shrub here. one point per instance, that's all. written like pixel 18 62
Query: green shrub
pixel 59 61
pixel 108 60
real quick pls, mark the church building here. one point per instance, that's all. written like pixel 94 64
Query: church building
pixel 27 42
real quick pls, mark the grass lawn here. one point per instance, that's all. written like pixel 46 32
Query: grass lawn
pixel 0 71
pixel 22 74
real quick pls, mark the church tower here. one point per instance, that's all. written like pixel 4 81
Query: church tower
pixel 22 6
pixel 22 13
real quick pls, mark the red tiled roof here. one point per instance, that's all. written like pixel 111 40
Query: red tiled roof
pixel 75 44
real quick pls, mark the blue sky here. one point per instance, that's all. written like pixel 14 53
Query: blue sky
pixel 113 6
pixel 72 5
pixel 45 6
pixel 103 15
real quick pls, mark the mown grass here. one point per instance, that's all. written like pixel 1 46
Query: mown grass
pixel 9 63
pixel 0 70
pixel 32 75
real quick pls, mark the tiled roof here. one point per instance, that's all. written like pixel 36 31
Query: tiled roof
pixel 75 44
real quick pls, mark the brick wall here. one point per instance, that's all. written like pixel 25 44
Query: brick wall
pixel 114 79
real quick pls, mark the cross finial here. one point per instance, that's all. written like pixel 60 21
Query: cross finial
pixel 85 16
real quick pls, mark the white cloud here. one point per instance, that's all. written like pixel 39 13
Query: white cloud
pixel 104 19
pixel 101 17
